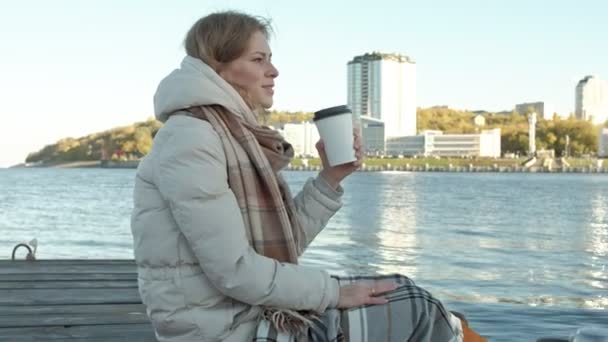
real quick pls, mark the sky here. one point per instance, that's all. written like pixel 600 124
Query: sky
pixel 69 68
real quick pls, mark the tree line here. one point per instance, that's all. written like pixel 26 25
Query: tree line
pixel 576 137
pixel 563 135
pixel 120 143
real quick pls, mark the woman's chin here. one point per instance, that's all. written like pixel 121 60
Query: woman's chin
pixel 266 104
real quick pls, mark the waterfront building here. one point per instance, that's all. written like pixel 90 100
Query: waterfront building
pixel 591 99
pixel 373 133
pixel 436 143
pixel 302 137
pixel 382 86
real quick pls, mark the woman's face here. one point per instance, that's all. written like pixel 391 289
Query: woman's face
pixel 253 72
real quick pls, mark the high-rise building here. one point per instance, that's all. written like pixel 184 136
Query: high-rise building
pixel 592 99
pixel 383 87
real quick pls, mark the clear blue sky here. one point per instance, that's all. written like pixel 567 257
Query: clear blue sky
pixel 74 67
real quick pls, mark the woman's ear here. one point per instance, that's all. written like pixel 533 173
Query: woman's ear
pixel 225 74
pixel 220 72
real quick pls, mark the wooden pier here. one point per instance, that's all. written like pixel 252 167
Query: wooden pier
pixel 98 301
pixel 71 300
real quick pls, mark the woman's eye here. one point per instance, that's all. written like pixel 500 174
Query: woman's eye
pixel 258 60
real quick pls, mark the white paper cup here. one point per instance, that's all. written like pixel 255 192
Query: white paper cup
pixel 335 125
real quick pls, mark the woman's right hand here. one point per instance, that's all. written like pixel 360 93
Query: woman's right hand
pixel 333 175
pixel 359 294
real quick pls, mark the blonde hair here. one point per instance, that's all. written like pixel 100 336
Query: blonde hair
pixel 222 37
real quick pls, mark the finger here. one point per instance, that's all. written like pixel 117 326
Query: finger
pixel 320 144
pixel 376 300
pixel 384 287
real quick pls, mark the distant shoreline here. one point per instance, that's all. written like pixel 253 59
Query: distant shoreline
pixel 106 164
pixel 462 169
pixel 388 166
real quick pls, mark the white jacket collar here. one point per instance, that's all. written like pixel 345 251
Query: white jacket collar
pixel 197 84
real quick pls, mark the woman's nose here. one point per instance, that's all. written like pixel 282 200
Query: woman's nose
pixel 273 72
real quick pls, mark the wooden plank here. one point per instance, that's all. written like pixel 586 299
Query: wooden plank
pixel 72 284
pixel 76 309
pixel 109 333
pixel 72 319
pixel 70 261
pixel 69 296
pixel 71 300
pixel 67 276
pixel 40 267
pixel 131 337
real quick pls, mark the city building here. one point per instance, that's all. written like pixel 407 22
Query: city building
pixel 372 132
pixel 540 108
pixel 302 137
pixel 382 86
pixel 435 143
pixel 591 102
pixel 603 143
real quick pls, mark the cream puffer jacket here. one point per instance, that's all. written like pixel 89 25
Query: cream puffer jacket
pixel 198 277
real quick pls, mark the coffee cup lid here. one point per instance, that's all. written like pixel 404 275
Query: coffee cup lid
pixel 331 111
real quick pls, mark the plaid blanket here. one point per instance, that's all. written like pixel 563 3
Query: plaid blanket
pixel 412 314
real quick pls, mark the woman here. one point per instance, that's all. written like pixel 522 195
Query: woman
pixel 216 232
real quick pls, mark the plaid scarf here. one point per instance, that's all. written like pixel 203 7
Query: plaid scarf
pixel 255 155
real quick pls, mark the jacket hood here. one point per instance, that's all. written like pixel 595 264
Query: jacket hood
pixel 197 84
